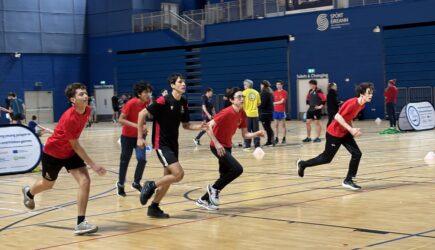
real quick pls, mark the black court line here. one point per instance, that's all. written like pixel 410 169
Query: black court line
pixel 402 238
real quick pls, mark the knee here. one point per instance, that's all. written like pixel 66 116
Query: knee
pixel 357 154
pixel 238 170
pixel 85 182
pixel 48 184
pixel 179 176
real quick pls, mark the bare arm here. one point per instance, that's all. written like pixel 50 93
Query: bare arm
pixel 354 131
pixel 141 128
pixel 248 135
pixel 45 129
pixel 123 120
pixel 279 102
pixel 204 108
pixel 219 148
pixel 82 153
pixel 190 126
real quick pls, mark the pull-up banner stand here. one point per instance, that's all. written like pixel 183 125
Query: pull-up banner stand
pixel 20 149
pixel 417 116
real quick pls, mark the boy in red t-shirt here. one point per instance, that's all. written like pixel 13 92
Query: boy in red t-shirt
pixel 279 101
pixel 221 130
pixel 339 132
pixel 128 119
pixel 63 149
pixel 390 94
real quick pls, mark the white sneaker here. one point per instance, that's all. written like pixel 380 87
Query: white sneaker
pixel 196 142
pixel 29 203
pixel 205 204
pixel 213 195
pixel 85 228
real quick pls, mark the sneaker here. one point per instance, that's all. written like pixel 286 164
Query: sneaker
pixel 147 191
pixel 268 144
pixel 205 204
pixel 283 141
pixel 196 142
pixel 299 168
pixel 121 191
pixel 351 185
pixel 306 140
pixel 85 228
pixel 29 203
pixel 276 140
pixel 317 140
pixel 136 186
pixel 213 194
pixel 156 212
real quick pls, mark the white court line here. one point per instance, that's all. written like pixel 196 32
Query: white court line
pixel 11 209
pixel 9 202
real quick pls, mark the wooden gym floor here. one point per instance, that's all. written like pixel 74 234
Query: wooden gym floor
pixel 268 207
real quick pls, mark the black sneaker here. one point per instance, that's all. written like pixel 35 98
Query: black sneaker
pixel 299 168
pixel 317 140
pixel 136 186
pixel 306 139
pixel 268 144
pixel 283 141
pixel 147 191
pixel 121 191
pixel 276 140
pixel 351 185
pixel 156 212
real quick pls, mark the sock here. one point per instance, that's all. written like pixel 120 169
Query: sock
pixel 205 197
pixel 29 195
pixel 80 219
pixel 154 205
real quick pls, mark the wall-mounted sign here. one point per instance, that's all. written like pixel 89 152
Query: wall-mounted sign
pixel 417 116
pixel 312 76
pixel 335 20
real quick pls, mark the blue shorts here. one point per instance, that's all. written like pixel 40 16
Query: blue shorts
pixel 279 115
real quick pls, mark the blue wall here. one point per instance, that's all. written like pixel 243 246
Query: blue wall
pixel 54 71
pixel 353 51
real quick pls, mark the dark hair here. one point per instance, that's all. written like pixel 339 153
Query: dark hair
pixel 11 94
pixel 34 117
pixel 163 90
pixel 330 85
pixel 173 78
pixel 208 90
pixel 230 94
pixel 142 86
pixel 362 88
pixel 70 90
pixel 312 81
pixel 266 85
pixel 280 81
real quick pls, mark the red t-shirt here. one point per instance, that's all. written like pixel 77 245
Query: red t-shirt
pixel 349 110
pixel 70 127
pixel 391 94
pixel 131 110
pixel 278 95
pixel 227 122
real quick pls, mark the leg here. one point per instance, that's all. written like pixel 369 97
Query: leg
pixel 81 175
pixel 161 191
pixel 127 146
pixel 390 113
pixel 255 128
pixel 277 128
pixel 351 146
pixel 331 147
pixel 393 111
pixel 284 129
pixel 318 127
pixel 308 125
pixel 250 125
pixel 141 162
pixel 229 169
pixel 176 174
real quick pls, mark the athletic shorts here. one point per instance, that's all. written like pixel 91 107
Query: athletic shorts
pixel 51 166
pixel 167 155
pixel 314 114
pixel 17 117
pixel 279 115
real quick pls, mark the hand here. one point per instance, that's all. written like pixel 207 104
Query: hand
pixel 355 132
pixel 220 149
pixel 210 117
pixel 145 130
pixel 260 133
pixel 141 142
pixel 99 170
pixel 318 107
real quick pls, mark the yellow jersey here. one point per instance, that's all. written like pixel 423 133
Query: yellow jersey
pixel 251 102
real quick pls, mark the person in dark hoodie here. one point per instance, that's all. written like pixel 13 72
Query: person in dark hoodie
pixel 332 102
pixel 266 111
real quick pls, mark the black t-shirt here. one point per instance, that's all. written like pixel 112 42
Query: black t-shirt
pixel 208 104
pixel 167 113
pixel 115 102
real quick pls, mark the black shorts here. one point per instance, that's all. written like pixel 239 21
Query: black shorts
pixel 115 109
pixel 314 114
pixel 51 166
pixel 167 155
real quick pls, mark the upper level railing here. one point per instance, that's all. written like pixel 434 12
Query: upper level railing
pixel 190 25
pixel 187 28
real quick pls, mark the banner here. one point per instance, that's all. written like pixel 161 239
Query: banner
pixel 417 116
pixel 20 149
